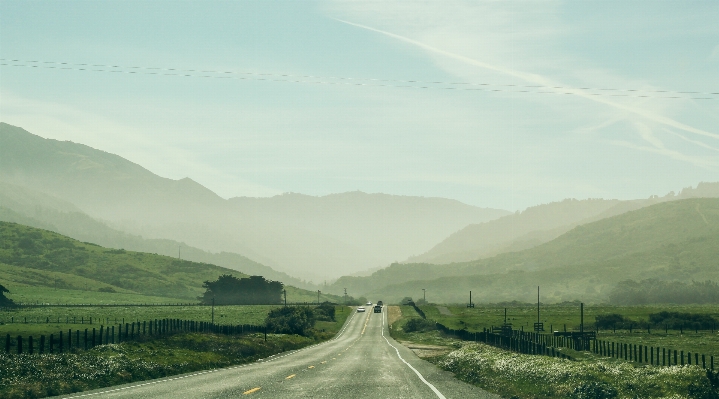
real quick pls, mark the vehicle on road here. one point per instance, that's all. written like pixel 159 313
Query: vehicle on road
pixel 380 303
pixel 360 309
pixel 368 303
pixel 377 308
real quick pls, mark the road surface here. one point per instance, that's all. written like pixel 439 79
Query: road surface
pixel 362 361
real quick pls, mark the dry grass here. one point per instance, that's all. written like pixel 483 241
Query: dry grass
pixel 394 313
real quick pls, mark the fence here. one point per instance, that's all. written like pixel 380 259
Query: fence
pixel 517 341
pixel 109 335
pixel 549 344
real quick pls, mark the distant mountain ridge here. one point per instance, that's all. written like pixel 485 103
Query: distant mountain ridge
pixel 672 240
pixel 307 237
pixel 539 224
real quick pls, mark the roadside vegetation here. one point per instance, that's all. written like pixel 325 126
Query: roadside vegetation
pixel 514 375
pixel 148 357
pixel 35 376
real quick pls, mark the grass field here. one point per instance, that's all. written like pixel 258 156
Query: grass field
pixel 78 318
pixel 557 316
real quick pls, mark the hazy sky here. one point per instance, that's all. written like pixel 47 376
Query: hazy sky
pixel 256 125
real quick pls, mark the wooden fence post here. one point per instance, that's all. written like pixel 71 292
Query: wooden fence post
pixel 59 343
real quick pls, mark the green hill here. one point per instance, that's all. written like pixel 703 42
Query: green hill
pixel 31 257
pixel 32 208
pixel 677 240
pixel 539 224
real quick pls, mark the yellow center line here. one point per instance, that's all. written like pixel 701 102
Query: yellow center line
pixel 290 376
pixel 311 367
pixel 365 324
pixel 253 390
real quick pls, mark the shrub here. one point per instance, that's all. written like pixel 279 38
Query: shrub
pixel 676 320
pixel 419 325
pixel 325 312
pixel 290 320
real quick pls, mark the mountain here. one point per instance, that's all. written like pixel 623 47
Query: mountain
pixel 32 208
pixel 675 240
pixel 304 236
pixel 539 224
pixel 41 258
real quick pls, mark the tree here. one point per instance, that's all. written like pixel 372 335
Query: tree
pixel 230 290
pixel 4 301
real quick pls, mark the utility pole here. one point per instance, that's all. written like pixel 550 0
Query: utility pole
pixel 318 297
pixel 285 293
pixel 424 295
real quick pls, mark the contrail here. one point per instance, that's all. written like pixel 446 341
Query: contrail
pixel 537 79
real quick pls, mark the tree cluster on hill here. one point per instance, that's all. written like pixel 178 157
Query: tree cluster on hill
pixel 650 291
pixel 230 290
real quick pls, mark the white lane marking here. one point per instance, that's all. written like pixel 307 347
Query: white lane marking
pixel 435 390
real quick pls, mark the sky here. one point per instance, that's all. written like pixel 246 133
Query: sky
pixel 496 104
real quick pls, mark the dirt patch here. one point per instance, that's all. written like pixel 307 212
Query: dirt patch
pixel 444 311
pixel 394 313
pixel 423 351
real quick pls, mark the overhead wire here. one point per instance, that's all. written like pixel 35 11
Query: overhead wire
pixel 350 81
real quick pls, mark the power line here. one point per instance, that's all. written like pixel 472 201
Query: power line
pixel 349 81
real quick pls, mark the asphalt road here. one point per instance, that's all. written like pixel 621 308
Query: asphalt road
pixel 362 361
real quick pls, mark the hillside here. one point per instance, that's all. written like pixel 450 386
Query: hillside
pixel 40 258
pixel 539 224
pixel 32 208
pixel 677 240
pixel 304 236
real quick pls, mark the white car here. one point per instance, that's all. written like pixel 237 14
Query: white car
pixel 369 304
pixel 360 309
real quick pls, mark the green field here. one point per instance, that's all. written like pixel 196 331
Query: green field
pixel 557 316
pixel 44 320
